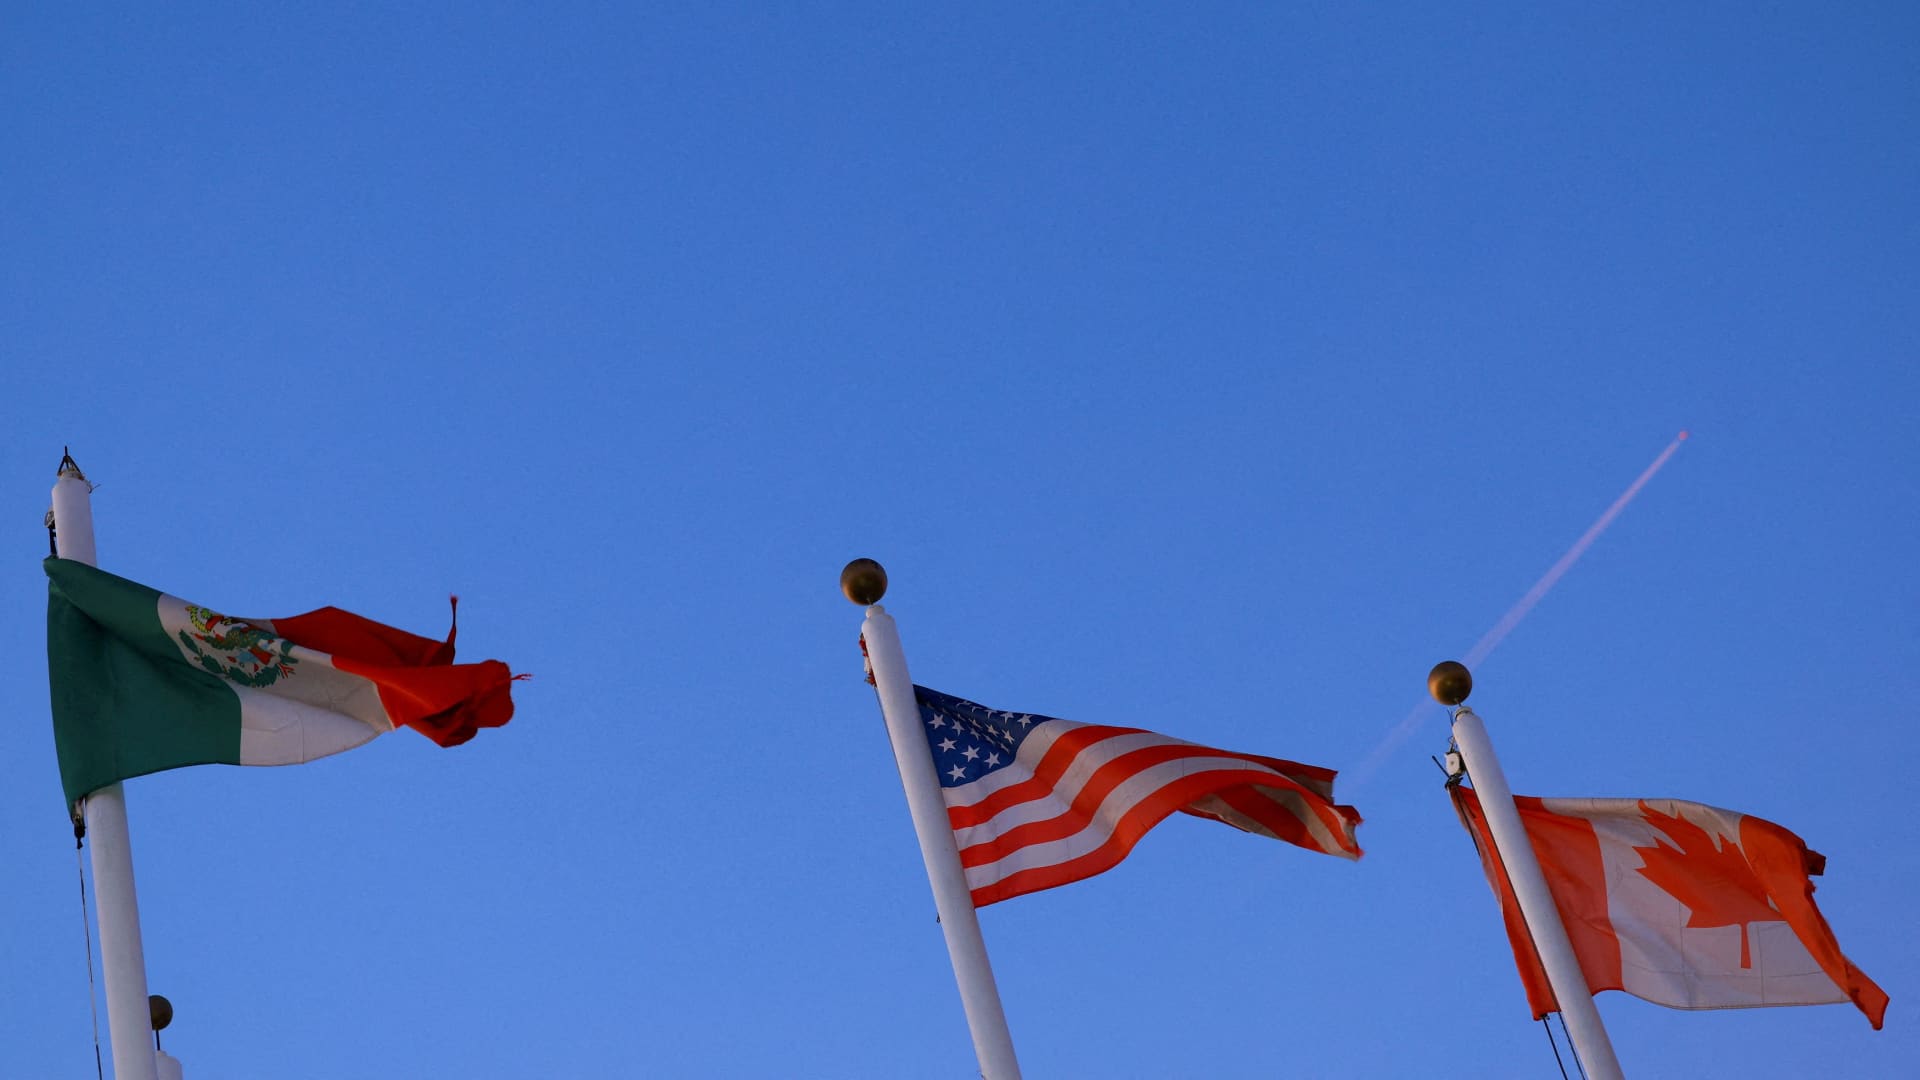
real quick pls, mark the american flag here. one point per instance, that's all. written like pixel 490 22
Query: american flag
pixel 1036 802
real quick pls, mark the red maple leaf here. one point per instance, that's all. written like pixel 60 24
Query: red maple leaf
pixel 1707 874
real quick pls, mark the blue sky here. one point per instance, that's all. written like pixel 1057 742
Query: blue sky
pixel 1209 370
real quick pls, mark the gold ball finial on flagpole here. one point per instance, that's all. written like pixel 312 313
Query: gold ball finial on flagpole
pixel 1449 682
pixel 864 581
pixel 159 1011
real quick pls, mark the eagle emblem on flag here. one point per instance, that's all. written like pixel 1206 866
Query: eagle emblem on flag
pixel 237 649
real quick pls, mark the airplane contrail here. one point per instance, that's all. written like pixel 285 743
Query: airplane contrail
pixel 1492 638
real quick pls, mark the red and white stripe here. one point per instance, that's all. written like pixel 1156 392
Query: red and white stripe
pixel 1078 796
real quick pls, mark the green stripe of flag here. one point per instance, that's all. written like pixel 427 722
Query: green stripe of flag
pixel 124 702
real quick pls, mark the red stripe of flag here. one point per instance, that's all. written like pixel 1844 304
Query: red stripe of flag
pixel 419 684
pixel 1088 802
pixel 1132 825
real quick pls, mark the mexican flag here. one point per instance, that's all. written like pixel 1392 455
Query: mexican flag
pixel 1681 904
pixel 143 681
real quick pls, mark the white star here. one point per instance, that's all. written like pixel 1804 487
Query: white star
pixel 971 752
pixel 957 772
pixel 946 744
pixel 1026 720
pixel 992 760
pixel 936 722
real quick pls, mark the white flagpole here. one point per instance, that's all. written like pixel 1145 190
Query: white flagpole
pixel 865 582
pixel 1450 684
pixel 123 961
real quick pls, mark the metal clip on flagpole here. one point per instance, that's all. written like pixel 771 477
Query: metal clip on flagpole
pixel 865 582
pixel 1450 682
pixel 123 962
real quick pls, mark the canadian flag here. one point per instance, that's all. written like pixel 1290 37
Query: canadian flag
pixel 1681 904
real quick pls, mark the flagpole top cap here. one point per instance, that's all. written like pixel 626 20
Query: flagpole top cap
pixel 160 1011
pixel 864 581
pixel 1449 682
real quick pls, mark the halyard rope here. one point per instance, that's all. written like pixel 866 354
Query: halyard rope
pixel 1548 1028
pixel 86 928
